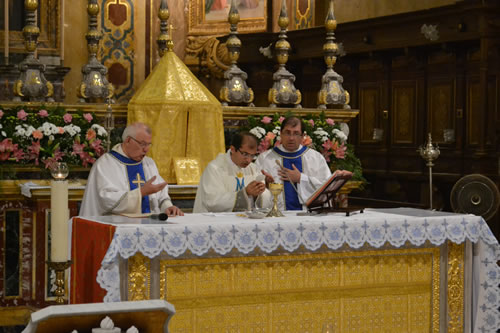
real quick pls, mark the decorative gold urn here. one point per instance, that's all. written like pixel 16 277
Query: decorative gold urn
pixel 276 190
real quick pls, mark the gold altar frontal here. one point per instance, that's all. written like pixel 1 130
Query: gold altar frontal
pixel 367 290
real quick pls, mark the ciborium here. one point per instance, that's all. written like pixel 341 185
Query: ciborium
pixel 275 190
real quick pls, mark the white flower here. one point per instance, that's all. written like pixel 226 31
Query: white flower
pixel 321 134
pixel 51 138
pixel 4 134
pixel 20 131
pixel 29 131
pixel 340 135
pixel 101 131
pixel 277 130
pixel 259 132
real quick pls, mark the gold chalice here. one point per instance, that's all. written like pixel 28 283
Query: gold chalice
pixel 276 190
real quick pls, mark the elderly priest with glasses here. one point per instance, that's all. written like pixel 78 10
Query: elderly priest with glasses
pixel 126 181
pixel 301 169
pixel 232 182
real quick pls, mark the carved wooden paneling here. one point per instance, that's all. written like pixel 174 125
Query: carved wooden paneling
pixel 404 109
pixel 473 129
pixel 441 99
pixel 369 102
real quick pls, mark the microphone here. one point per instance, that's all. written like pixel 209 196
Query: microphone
pixel 161 217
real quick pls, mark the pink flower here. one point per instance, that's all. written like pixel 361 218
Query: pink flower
pixel 330 121
pixel 277 143
pixel 327 149
pixel 60 130
pixel 1 113
pixel 281 119
pixel 340 151
pixel 6 147
pixel 270 136
pixel 43 113
pixel 51 161
pixel 37 134
pixel 34 152
pixel 91 134
pixel 21 115
pixel 97 146
pixel 67 118
pixel 266 120
pixel 311 122
pixel 306 141
pixel 77 148
pixel 18 154
pixel 87 117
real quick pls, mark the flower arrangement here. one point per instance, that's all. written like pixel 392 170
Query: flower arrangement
pixel 45 136
pixel 322 134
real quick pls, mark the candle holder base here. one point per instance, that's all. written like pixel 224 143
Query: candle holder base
pixel 60 267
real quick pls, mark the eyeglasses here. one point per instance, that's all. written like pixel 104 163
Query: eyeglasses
pixel 142 144
pixel 288 133
pixel 247 155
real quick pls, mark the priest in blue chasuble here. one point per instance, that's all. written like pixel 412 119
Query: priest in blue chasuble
pixel 301 169
pixel 126 181
pixel 232 182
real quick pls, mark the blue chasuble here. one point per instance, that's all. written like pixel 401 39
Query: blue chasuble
pixel 135 173
pixel 291 197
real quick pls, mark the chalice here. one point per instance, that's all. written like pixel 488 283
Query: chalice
pixel 276 190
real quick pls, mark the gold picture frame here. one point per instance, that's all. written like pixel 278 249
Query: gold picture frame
pixel 213 22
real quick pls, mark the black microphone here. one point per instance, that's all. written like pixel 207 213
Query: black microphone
pixel 161 217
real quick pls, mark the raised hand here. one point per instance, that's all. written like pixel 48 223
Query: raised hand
pixel 150 188
pixel 289 175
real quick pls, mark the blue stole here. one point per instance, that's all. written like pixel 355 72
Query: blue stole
pixel 291 197
pixel 135 173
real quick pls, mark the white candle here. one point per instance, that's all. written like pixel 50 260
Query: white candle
pixel 6 31
pixel 62 30
pixel 59 220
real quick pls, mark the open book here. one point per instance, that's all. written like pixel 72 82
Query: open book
pixel 327 192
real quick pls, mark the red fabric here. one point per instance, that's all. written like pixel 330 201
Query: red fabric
pixel 89 243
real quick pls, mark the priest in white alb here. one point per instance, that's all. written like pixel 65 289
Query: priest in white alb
pixel 232 182
pixel 126 181
pixel 302 170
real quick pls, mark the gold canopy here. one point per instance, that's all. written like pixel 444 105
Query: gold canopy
pixel 185 117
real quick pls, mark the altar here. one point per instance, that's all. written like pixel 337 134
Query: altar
pixel 391 270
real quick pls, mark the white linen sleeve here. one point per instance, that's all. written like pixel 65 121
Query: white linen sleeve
pixel 316 174
pixel 213 193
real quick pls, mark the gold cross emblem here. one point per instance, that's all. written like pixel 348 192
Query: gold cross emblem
pixel 138 181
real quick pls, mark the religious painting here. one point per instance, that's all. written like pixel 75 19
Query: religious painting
pixel 209 17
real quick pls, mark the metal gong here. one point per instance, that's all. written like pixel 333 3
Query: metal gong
pixel 475 194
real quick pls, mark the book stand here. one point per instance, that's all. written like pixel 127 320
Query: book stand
pixel 327 193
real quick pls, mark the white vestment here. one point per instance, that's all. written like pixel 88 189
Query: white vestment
pixel 222 187
pixel 108 190
pixel 315 172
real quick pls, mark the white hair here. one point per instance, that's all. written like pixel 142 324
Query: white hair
pixel 132 129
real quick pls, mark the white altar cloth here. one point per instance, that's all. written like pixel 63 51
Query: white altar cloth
pixel 223 232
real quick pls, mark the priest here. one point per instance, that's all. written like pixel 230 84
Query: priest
pixel 301 170
pixel 232 182
pixel 126 181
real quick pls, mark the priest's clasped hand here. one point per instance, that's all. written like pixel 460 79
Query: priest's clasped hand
pixel 255 188
pixel 150 188
pixel 289 175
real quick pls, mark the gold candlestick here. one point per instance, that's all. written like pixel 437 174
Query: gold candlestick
pixel 276 190
pixel 60 267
